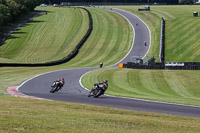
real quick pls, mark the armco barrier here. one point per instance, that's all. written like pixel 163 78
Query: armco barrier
pixel 187 66
pixel 150 61
pixel 65 59
pixel 150 64
pixel 143 9
pixel 96 4
pixel 139 66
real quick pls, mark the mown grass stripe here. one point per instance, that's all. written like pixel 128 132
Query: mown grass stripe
pixel 179 22
pixel 108 34
pixel 183 50
pixel 103 45
pixel 110 42
pixel 95 45
pixel 167 15
pixel 34 46
pixel 166 86
pixel 28 115
pixel 137 84
pixel 124 36
pixel 117 76
pixel 153 80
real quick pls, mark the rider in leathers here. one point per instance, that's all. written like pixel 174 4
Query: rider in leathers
pixel 61 83
pixel 103 85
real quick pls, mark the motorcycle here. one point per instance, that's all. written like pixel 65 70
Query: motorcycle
pixel 96 91
pixel 55 87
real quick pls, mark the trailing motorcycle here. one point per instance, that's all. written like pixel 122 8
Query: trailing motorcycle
pixel 96 91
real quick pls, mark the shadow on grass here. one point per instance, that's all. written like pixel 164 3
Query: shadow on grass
pixel 36 21
pixel 11 37
pixel 7 32
pixel 18 32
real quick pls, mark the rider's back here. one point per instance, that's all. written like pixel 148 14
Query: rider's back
pixel 103 86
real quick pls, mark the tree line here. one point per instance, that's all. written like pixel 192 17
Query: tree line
pixel 10 10
pixel 173 2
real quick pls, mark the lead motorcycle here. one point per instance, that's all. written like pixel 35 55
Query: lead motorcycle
pixel 96 91
pixel 55 87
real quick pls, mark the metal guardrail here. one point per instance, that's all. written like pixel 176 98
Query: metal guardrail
pixel 114 3
pixel 149 61
pixel 150 64
pixel 165 66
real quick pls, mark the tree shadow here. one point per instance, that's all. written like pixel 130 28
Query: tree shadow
pixel 3 38
pixel 26 22
pixel 18 32
pixel 36 21
pixel 11 37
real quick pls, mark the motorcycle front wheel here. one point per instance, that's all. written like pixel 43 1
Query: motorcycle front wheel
pixel 53 89
pixel 99 92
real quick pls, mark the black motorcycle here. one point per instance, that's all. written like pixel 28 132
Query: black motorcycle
pixel 96 91
pixel 55 87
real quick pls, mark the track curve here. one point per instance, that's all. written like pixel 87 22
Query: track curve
pixel 74 92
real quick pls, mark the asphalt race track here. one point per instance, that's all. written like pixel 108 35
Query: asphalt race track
pixel 39 86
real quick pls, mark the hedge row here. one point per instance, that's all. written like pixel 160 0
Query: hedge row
pixel 61 61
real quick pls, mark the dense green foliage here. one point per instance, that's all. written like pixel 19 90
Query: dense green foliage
pixel 10 10
pixel 118 1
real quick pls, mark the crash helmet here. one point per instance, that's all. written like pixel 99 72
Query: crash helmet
pixel 62 79
pixel 105 81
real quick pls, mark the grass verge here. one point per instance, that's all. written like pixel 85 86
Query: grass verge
pixel 180 87
pixel 27 115
pixel 182 31
pixel 47 37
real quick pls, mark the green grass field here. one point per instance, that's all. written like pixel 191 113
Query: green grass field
pixel 101 38
pixel 47 37
pixel 110 41
pixel 29 115
pixel 171 86
pixel 182 31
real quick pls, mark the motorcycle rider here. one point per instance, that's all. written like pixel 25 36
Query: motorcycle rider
pixel 61 83
pixel 98 86
pixel 103 85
